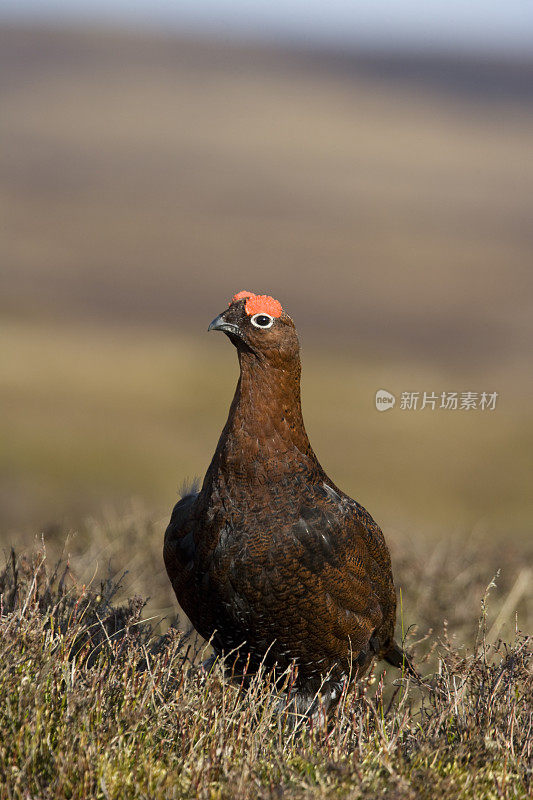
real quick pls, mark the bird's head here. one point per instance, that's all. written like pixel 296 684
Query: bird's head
pixel 258 325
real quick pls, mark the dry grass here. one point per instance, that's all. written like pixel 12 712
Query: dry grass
pixel 94 703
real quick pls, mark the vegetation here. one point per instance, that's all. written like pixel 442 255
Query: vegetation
pixel 97 702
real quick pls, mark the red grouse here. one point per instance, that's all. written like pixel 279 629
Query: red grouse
pixel 270 560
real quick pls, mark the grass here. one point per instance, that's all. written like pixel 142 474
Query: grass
pixel 99 696
pixel 97 703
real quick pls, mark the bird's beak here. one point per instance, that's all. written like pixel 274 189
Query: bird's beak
pixel 221 324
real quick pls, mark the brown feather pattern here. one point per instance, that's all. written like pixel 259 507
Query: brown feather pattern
pixel 270 556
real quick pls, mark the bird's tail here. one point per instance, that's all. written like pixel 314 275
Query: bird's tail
pixel 397 656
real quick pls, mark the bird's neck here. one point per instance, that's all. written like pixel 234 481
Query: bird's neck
pixel 264 438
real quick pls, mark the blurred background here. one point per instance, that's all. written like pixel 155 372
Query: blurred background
pixel 369 165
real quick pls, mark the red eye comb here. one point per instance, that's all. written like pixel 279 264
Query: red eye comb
pixel 258 303
pixel 263 304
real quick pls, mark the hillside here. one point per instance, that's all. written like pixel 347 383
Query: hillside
pixel 385 199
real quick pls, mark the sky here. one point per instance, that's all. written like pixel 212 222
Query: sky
pixel 493 26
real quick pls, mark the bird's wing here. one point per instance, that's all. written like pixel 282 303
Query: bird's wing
pixel 178 548
pixel 355 588
pixel 317 591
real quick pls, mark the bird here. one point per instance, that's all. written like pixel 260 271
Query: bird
pixel 271 561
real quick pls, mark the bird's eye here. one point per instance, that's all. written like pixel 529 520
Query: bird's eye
pixel 262 320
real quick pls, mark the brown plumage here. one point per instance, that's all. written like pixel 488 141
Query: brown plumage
pixel 270 559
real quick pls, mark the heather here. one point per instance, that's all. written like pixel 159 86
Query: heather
pixel 101 698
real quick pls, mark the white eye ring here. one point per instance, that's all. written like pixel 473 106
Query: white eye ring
pixel 256 324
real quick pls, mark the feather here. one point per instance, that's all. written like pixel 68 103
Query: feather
pixel 269 557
